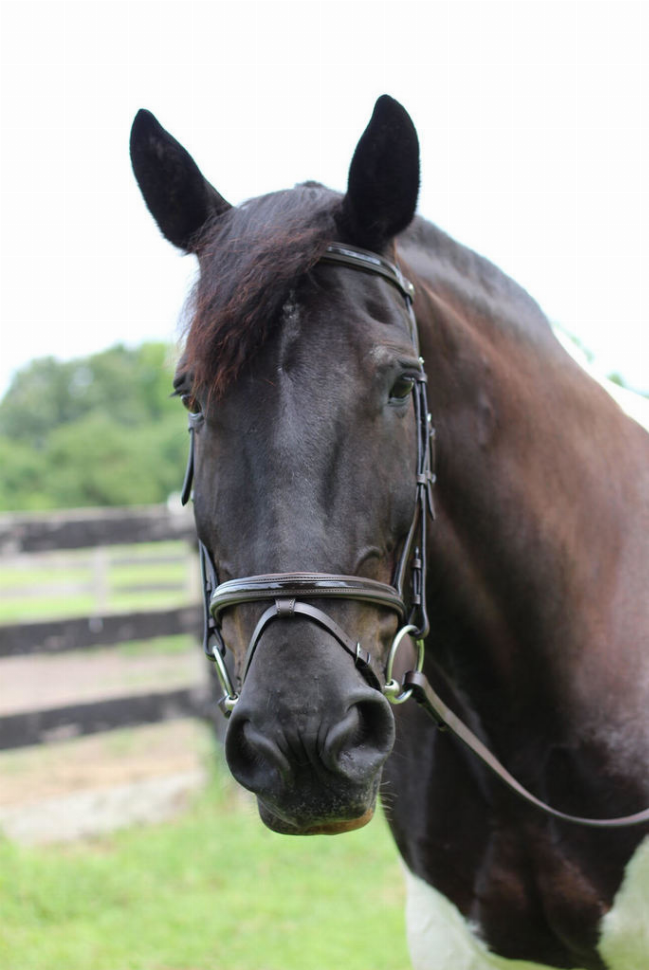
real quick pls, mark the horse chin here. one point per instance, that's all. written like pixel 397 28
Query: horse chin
pixel 336 828
pixel 284 826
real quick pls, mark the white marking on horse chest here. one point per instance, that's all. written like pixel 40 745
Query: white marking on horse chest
pixel 624 942
pixel 439 938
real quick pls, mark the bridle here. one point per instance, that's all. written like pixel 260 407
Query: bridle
pixel 288 592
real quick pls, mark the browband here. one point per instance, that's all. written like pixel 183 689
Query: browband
pixel 363 259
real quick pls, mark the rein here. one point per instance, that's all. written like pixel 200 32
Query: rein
pixel 286 591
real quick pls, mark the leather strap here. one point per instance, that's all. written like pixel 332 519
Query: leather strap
pixel 444 717
pixel 194 420
pixel 289 608
pixel 363 259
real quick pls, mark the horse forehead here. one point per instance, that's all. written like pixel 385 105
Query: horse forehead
pixel 316 339
pixel 348 317
pixel 291 330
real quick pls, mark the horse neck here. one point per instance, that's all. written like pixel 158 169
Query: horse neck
pixel 539 555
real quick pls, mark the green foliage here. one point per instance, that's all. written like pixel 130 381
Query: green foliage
pixel 616 378
pixel 23 478
pixel 101 430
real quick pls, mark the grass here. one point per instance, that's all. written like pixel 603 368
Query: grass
pixel 211 890
pixel 183 643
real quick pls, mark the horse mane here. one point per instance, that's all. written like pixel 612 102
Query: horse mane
pixel 251 259
pixel 479 283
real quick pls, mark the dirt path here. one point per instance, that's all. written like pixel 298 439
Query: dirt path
pixel 84 788
pixel 35 683
pixel 91 785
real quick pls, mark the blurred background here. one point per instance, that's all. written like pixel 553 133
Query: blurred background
pixel 533 124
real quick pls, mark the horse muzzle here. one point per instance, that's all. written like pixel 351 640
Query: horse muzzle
pixel 310 731
pixel 313 757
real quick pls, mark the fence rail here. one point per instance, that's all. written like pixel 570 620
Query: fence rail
pixel 87 529
pixel 73 720
pixel 78 633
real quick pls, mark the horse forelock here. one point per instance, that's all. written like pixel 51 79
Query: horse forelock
pixel 251 259
pixel 253 256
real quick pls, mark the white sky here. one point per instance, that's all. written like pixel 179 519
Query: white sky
pixel 530 116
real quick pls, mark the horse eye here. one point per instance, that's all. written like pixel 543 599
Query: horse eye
pixel 402 388
pixel 190 402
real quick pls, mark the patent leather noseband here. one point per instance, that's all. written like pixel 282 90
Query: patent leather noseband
pixel 288 591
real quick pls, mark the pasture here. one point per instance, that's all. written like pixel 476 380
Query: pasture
pixel 78 581
pixel 213 888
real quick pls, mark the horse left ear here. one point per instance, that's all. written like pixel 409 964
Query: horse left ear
pixel 383 182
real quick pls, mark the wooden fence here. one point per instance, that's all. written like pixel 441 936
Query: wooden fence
pixel 96 529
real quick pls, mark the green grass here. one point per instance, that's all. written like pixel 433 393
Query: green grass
pixel 212 890
pixel 183 643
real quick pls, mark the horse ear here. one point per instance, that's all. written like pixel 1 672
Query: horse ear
pixel 176 193
pixel 383 182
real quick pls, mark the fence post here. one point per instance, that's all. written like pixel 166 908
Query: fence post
pixel 100 579
pixel 100 530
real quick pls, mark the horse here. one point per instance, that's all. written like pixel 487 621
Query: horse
pixel 406 491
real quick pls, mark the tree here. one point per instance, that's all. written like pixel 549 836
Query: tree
pixel 100 430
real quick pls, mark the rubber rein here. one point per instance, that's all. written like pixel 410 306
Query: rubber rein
pixel 287 591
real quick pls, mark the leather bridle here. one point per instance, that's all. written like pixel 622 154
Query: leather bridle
pixel 288 591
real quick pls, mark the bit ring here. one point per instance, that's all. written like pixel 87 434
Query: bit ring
pixel 392 688
pixel 230 698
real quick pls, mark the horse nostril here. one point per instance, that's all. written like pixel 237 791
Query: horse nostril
pixel 273 755
pixel 360 742
pixel 254 759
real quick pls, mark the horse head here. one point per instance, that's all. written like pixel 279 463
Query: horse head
pixel 299 374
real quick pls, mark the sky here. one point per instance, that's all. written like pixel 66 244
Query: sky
pixel 532 117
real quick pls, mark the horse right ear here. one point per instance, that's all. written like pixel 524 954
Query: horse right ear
pixel 177 195
pixel 383 183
